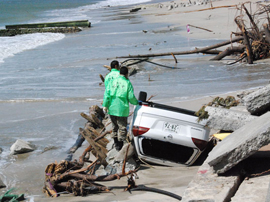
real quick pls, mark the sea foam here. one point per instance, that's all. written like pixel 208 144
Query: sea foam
pixel 82 12
pixel 9 46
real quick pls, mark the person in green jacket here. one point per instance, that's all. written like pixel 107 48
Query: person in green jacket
pixel 116 99
pixel 113 74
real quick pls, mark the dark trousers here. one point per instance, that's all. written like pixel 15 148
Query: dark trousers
pixel 119 127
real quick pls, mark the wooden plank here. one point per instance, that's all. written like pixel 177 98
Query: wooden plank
pixel 100 151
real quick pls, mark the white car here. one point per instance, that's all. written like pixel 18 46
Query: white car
pixel 167 135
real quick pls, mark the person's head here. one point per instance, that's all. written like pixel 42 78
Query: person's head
pixel 124 71
pixel 114 64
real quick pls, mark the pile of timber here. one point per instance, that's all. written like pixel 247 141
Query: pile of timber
pixel 253 38
pixel 53 27
pixel 79 176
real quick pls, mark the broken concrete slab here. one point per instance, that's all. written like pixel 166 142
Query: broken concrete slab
pixel 207 186
pixel 21 146
pixel 240 144
pixel 252 190
pixel 258 102
pixel 227 119
pixel 122 153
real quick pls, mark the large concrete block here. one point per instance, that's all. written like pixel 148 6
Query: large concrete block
pixel 227 119
pixel 258 102
pixel 207 186
pixel 240 144
pixel 252 190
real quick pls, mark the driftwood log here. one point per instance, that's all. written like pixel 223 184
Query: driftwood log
pixel 229 51
pixel 196 50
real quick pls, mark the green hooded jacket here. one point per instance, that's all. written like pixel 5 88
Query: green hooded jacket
pixel 118 95
pixel 112 75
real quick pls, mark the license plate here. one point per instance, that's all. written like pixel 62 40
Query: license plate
pixel 171 127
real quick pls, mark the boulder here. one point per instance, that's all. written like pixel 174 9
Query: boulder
pixel 227 119
pixel 21 146
pixel 241 144
pixel 1 150
pixel 258 102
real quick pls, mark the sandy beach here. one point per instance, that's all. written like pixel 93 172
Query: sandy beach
pixel 219 19
pixel 173 179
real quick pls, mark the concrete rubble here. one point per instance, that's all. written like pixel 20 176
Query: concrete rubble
pixel 249 189
pixel 257 102
pixel 225 174
pixel 226 119
pixel 209 187
pixel 21 146
pixel 241 144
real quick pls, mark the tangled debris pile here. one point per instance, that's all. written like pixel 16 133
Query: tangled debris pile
pixel 79 176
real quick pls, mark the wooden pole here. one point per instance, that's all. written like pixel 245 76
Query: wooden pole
pixel 211 8
pixel 200 28
pixel 174 58
pixel 197 50
pixel 100 151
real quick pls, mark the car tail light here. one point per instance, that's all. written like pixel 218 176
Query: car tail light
pixel 138 130
pixel 201 144
pixel 146 104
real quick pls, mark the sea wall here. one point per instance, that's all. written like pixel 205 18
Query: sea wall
pixel 14 32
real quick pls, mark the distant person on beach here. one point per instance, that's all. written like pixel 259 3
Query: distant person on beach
pixel 116 99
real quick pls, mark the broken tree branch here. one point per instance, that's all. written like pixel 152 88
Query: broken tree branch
pixel 229 51
pixel 200 28
pixel 253 23
pixel 241 26
pixel 211 8
pixel 102 177
pixel 174 58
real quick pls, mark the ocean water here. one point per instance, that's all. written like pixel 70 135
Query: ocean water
pixel 47 80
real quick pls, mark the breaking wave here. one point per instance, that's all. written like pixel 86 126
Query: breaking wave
pixel 9 46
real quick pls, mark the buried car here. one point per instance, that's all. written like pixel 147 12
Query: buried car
pixel 167 135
